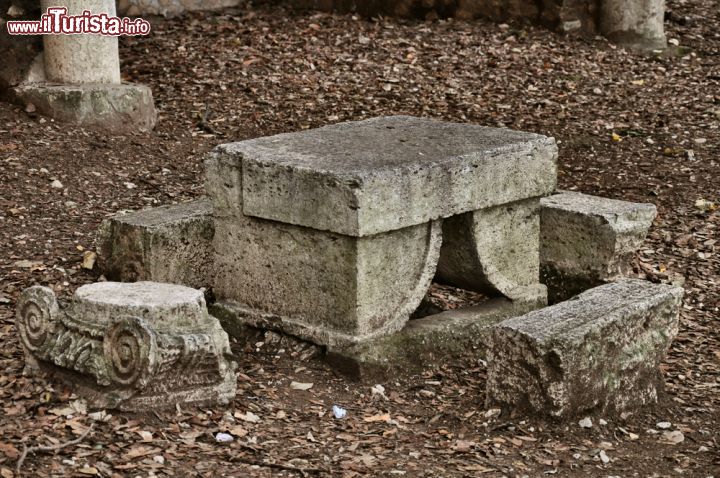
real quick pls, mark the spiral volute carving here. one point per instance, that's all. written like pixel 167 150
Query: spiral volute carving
pixel 36 315
pixel 130 349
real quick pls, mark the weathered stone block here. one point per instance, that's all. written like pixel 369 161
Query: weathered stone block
pixel 167 244
pixel 598 352
pixel 494 250
pixel 133 347
pixel 324 287
pixel 637 24
pixel 353 212
pixel 586 240
pixel 116 108
pixel 384 174
pixel 426 342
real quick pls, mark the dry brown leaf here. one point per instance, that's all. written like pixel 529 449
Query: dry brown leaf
pixel 385 417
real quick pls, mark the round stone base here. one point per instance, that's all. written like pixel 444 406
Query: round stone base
pixel 119 108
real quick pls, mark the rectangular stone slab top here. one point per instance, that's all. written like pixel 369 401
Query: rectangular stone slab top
pixel 383 174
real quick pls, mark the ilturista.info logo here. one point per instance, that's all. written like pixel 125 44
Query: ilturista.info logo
pixel 57 22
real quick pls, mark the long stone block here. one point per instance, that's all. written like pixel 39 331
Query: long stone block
pixel 424 343
pixel 598 352
pixel 384 174
pixel 586 241
pixel 166 244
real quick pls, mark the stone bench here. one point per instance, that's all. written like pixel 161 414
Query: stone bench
pixel 133 347
pixel 586 241
pixel 334 234
pixel 164 244
pixel 596 353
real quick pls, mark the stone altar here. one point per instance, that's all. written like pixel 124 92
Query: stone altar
pixel 334 235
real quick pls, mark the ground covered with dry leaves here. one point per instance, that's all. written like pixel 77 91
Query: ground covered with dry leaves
pixel 629 127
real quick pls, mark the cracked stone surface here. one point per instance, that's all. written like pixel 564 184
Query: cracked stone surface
pixel 598 352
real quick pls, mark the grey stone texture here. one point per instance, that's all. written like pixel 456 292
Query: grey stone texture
pixel 637 24
pixel 353 212
pixel 166 244
pixel 384 174
pixel 76 79
pixel 134 347
pixel 115 108
pixel 586 240
pixel 81 59
pixel 320 286
pixel 597 353
pixel 424 343
pixel 494 250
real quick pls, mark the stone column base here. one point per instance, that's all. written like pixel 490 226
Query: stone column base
pixel 119 108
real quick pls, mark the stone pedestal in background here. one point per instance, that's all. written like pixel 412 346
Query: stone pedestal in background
pixel 80 79
pixel 637 24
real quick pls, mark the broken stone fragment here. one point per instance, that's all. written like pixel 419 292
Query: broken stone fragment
pixel 586 241
pixel 133 347
pixel 598 352
pixel 166 244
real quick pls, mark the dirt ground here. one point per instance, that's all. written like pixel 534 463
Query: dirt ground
pixel 629 127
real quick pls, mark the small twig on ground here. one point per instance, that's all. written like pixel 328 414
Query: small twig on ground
pixel 57 447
